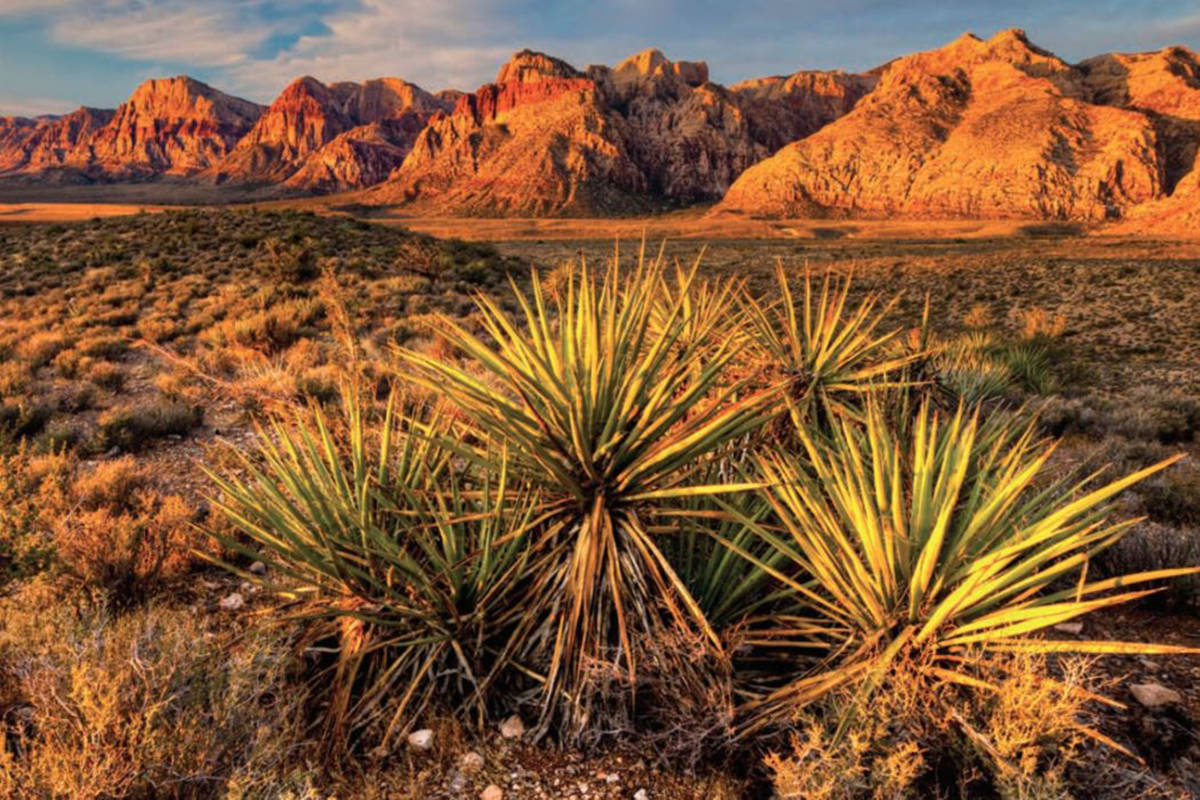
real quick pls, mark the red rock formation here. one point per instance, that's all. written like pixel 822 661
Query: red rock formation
pixel 535 142
pixel 361 156
pixel 171 126
pixel 978 128
pixel 329 138
pixel 647 133
pixel 58 146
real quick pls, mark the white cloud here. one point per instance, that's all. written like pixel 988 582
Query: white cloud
pixel 202 33
pixel 435 44
pixel 31 106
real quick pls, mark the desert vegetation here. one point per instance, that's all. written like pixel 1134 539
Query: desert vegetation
pixel 337 510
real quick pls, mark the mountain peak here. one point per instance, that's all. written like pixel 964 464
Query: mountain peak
pixel 651 62
pixel 528 66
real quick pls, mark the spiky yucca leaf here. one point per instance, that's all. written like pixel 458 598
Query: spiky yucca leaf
pixel 939 542
pixel 410 567
pixel 829 356
pixel 597 400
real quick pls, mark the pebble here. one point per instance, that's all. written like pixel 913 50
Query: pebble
pixel 258 568
pixel 512 728
pixel 1153 695
pixel 471 762
pixel 641 794
pixel 233 602
pixel 421 740
pixel 1073 628
pixel 492 792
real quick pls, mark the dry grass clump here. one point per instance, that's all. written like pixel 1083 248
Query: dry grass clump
pixel 132 427
pixel 34 492
pixel 148 703
pixel 919 738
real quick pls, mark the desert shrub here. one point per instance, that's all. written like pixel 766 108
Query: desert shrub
pixel 916 738
pixel 15 377
pixel 144 704
pixel 107 347
pixel 120 551
pixel 41 348
pixel 1151 547
pixel 290 262
pixel 111 484
pixel 107 376
pixel 34 492
pixel 132 427
pixel 275 328
pixel 24 417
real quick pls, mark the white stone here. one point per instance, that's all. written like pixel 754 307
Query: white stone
pixel 512 728
pixel 421 740
pixel 233 602
pixel 1073 628
pixel 1153 695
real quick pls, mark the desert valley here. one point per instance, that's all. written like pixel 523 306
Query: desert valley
pixel 608 432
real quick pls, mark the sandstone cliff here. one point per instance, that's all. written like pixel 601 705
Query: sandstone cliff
pixel 315 137
pixel 977 128
pixel 546 138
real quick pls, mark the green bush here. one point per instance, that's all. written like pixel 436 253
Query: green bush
pixel 132 427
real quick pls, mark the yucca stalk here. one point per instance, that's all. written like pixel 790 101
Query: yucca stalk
pixel 828 356
pixel 947 540
pixel 600 408
pixel 410 567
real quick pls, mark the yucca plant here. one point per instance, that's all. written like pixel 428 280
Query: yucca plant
pixel 404 566
pixel 706 313
pixel 948 540
pixel 596 399
pixel 828 356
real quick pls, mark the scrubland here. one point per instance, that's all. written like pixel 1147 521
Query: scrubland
pixel 299 506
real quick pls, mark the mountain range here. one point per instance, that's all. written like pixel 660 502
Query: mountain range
pixel 995 128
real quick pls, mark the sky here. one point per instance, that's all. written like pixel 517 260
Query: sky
pixel 56 55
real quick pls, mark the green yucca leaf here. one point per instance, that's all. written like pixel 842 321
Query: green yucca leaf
pixel 829 356
pixel 408 565
pixel 938 541
pixel 610 397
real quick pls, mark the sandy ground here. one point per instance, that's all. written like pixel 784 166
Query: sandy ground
pixel 67 212
pixel 689 224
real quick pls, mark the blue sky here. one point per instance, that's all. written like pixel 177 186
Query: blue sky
pixel 58 54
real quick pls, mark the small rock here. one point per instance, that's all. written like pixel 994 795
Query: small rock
pixel 612 778
pixel 1152 666
pixel 471 762
pixel 641 794
pixel 512 728
pixel 458 782
pixel 1153 695
pixel 492 792
pixel 258 568
pixel 113 453
pixel 1073 628
pixel 233 602
pixel 421 740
